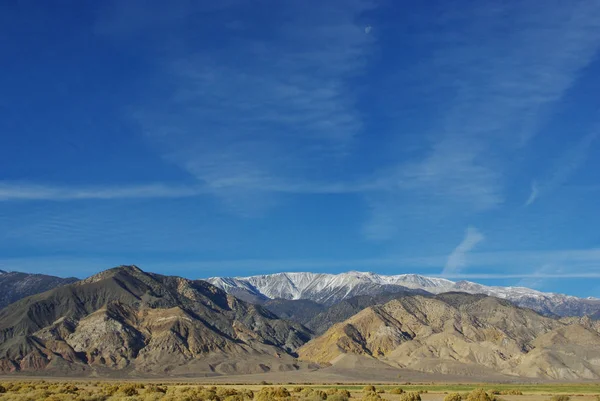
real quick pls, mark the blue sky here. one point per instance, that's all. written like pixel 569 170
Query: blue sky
pixel 455 138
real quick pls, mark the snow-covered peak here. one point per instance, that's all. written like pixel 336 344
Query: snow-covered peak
pixel 3 272
pixel 422 282
pixel 332 288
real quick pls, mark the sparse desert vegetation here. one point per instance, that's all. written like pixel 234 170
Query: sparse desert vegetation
pixel 41 390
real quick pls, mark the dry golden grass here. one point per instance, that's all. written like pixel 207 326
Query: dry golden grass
pixel 453 397
pixel 178 391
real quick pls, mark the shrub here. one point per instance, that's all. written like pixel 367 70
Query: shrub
pixel 297 389
pixel 369 389
pixel 156 389
pixel 453 397
pixel 225 392
pixel 338 397
pixel 479 395
pixel 315 395
pixel 371 397
pixel 412 396
pixel 396 390
pixel 209 395
pixel 69 389
pixel 128 390
pixel 270 393
pixel 281 392
pixel 560 398
pixel 2 389
pixel 111 389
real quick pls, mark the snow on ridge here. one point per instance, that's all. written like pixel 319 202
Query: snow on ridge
pixel 331 288
pixel 326 286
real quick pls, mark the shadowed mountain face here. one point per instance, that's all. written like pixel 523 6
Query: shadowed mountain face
pixel 347 308
pixel 124 318
pixel 458 333
pixel 299 310
pixel 319 318
pixel 16 285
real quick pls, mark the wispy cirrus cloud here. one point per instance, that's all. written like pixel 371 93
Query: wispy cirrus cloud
pixel 22 191
pixel 281 116
pixel 27 191
pixel 533 267
pixel 533 195
pixel 457 261
pixel 496 78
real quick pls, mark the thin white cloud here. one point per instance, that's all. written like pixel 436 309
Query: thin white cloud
pixel 457 260
pixel 13 191
pixel 26 191
pixel 494 80
pixel 521 276
pixel 565 167
pixel 539 276
pixel 283 115
pixel 563 263
pixel 533 195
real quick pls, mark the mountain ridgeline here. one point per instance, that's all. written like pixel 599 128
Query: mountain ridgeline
pixel 124 319
pixel 329 289
pixel 17 285
pixel 463 334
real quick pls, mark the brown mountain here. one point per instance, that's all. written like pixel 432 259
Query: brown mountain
pixel 319 318
pixel 127 320
pixel 17 285
pixel 457 333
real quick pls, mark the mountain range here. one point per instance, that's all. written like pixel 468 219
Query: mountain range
pixel 127 320
pixel 17 285
pixel 328 289
pixel 464 334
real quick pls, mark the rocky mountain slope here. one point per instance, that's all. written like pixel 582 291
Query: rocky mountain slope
pixel 126 320
pixel 329 289
pixel 457 333
pixel 16 285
